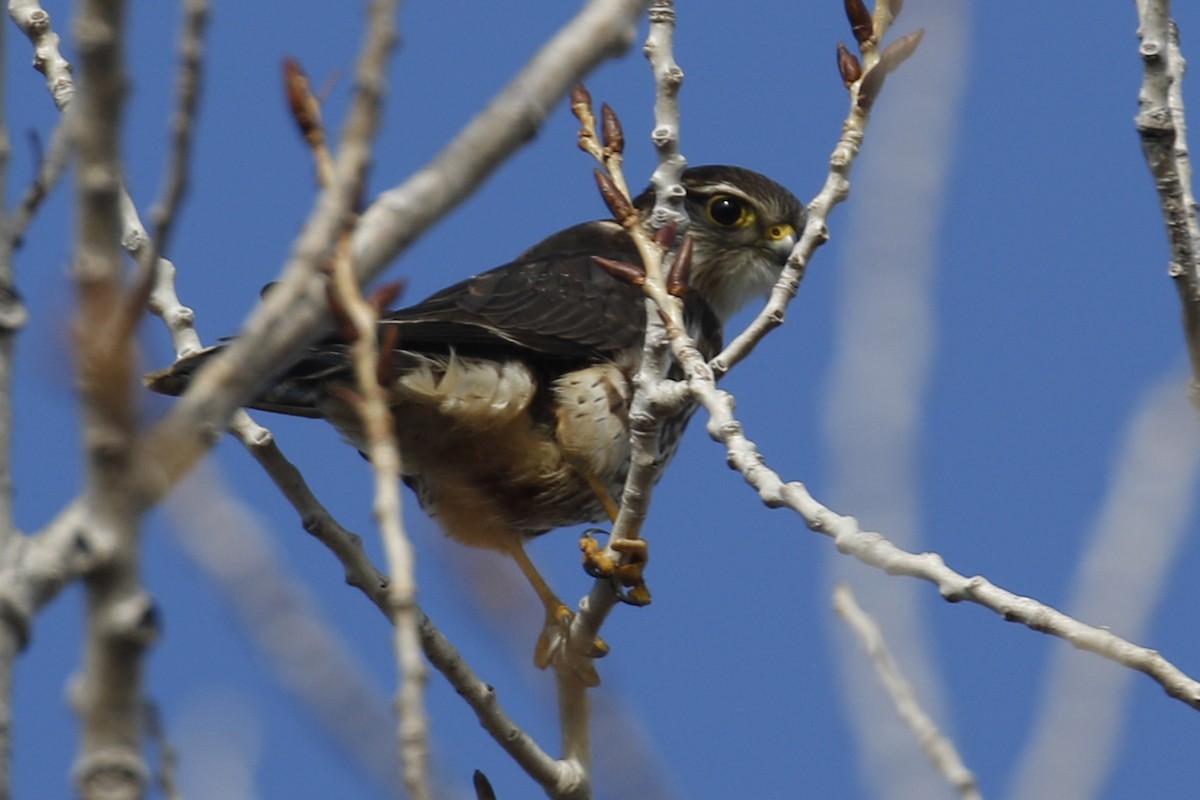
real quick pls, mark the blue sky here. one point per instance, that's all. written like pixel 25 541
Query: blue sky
pixel 1047 314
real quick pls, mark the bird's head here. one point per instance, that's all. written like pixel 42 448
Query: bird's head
pixel 743 228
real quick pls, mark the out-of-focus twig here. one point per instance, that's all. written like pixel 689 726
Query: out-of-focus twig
pixel 183 120
pixel 940 750
pixel 371 399
pixel 168 756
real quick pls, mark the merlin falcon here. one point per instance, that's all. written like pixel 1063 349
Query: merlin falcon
pixel 511 389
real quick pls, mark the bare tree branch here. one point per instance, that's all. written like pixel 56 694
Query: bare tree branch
pixel 191 62
pixel 560 779
pixel 34 22
pixel 668 79
pixel 1163 130
pixel 121 620
pixel 371 401
pixel 310 655
pixel 1138 537
pixel 940 750
pixel 874 550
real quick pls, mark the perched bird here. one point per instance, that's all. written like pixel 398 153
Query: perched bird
pixel 511 389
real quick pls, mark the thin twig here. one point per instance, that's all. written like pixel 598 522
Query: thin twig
pixel 940 751
pixel 168 756
pixel 183 122
pixel 835 190
pixel 50 168
pixel 372 401
pixel 559 778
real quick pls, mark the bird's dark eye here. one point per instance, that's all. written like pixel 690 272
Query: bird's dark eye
pixel 726 211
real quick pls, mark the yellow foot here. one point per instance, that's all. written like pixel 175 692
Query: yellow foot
pixel 624 570
pixel 555 647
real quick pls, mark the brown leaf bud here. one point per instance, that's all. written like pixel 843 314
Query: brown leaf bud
pixel 385 366
pixel 681 269
pixel 630 273
pixel 610 128
pixel 306 111
pixel 848 65
pixel 385 295
pixel 580 96
pixel 861 24
pixel 664 237
pixel 622 210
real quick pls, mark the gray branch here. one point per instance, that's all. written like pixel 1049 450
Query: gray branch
pixel 1163 131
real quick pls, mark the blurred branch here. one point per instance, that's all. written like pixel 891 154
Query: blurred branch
pixel 121 619
pixel 168 756
pixel 34 22
pixel 940 750
pixel 314 662
pixel 183 120
pixel 371 402
pixel 13 626
pixel 1137 540
pixel 1162 126
pixel 49 169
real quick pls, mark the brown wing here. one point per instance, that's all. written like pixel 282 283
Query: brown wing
pixel 552 306
pixel 553 301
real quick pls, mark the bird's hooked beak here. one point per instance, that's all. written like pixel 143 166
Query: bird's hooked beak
pixel 780 241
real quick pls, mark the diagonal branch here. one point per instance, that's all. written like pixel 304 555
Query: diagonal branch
pixel 940 750
pixel 874 550
pixel 1163 131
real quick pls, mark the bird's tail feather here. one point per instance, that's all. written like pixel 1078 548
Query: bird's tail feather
pixel 295 393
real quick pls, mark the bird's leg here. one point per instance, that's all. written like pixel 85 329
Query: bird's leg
pixel 626 570
pixel 554 645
